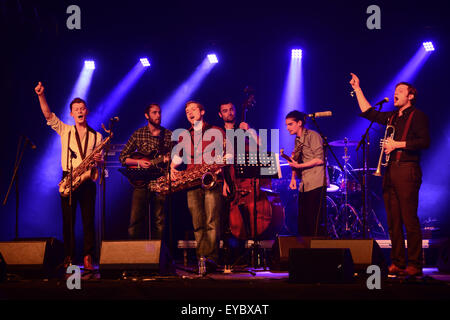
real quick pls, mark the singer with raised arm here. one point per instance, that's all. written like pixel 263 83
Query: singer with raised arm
pixel 78 141
pixel 307 160
pixel 403 175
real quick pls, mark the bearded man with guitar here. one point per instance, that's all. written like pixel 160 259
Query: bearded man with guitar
pixel 147 147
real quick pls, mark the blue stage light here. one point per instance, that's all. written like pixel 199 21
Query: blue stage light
pixel 212 58
pixel 145 62
pixel 428 46
pixel 296 53
pixel 89 64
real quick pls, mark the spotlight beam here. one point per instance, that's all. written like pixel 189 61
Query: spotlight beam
pixel 185 90
pixel 292 98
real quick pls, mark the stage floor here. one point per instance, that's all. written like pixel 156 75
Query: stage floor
pixel 257 285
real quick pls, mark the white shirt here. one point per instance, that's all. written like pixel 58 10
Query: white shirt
pixel 63 130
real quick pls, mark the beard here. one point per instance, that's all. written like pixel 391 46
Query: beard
pixel 153 123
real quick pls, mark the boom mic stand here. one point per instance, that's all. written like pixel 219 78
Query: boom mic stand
pixel 326 147
pixel 365 143
pixel 15 178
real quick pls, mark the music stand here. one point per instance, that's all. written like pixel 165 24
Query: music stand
pixel 257 166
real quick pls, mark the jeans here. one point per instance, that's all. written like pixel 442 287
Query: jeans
pixel 205 207
pixel 141 200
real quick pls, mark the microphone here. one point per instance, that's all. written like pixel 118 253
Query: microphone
pixel 320 114
pixel 28 140
pixel 114 119
pixel 382 101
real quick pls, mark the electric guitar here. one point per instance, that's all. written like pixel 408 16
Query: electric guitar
pixel 286 157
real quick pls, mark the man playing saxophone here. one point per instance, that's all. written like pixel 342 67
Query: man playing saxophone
pixel 77 142
pixel 403 176
pixel 205 204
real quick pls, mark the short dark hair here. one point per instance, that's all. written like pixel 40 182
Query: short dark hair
pixel 77 100
pixel 225 102
pixel 147 109
pixel 200 106
pixel 411 90
pixel 297 116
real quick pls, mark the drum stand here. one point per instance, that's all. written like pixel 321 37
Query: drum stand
pixel 349 225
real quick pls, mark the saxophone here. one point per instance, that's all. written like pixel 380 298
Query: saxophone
pixel 204 175
pixel 86 170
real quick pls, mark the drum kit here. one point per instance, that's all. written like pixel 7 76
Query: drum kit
pixel 343 200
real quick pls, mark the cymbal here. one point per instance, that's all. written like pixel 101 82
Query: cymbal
pixel 361 169
pixel 343 143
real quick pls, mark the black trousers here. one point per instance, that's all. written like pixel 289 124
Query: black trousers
pixel 84 195
pixel 401 184
pixel 311 213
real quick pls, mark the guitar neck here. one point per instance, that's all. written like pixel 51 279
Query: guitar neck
pixel 286 157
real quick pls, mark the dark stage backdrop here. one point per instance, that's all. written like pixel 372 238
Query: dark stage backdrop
pixel 253 42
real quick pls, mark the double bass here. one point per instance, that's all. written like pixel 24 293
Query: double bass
pixel 269 210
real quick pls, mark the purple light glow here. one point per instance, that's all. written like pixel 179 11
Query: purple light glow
pixel 109 104
pixel 182 94
pixel 292 99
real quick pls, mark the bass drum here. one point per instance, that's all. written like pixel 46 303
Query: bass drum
pixel 270 215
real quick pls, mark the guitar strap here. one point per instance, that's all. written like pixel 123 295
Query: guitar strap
pixel 162 135
pixel 68 146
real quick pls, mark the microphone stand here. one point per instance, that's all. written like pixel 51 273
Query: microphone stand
pixel 365 142
pixel 72 231
pixel 103 181
pixel 326 147
pixel 15 179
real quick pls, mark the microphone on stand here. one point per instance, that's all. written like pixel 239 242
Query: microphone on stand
pixel 320 114
pixel 114 119
pixel 28 140
pixel 382 101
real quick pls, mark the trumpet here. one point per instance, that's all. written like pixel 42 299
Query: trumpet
pixel 388 133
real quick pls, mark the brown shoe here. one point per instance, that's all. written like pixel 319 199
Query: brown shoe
pixel 67 262
pixel 393 269
pixel 413 271
pixel 88 262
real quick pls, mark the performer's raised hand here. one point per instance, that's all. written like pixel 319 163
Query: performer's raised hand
pixel 354 82
pixel 39 89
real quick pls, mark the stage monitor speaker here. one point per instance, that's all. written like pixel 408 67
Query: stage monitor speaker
pixel 279 260
pixel 33 258
pixel 443 261
pixel 2 269
pixel 144 257
pixel 320 265
pixel 365 252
